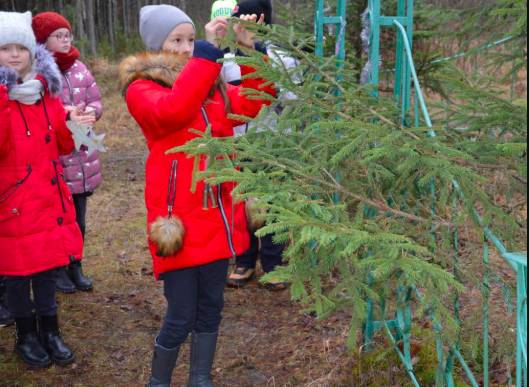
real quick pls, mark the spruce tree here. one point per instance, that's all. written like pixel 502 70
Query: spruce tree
pixel 366 205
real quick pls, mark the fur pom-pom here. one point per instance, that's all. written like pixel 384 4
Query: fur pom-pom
pixel 168 235
pixel 255 216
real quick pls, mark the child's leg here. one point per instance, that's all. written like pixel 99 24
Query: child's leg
pixel 18 297
pixel 211 296
pixel 44 293
pixel 75 269
pixel 5 316
pixel 210 305
pixel 271 258
pixel 248 259
pixel 180 290
pixel 271 253
pixel 245 265
pixel 46 307
pixel 80 202
pixel 28 345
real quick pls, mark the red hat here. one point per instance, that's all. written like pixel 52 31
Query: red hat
pixel 46 22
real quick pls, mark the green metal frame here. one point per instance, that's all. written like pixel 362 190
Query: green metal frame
pixel 399 329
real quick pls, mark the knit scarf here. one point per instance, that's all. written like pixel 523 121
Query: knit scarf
pixel 66 60
pixel 29 92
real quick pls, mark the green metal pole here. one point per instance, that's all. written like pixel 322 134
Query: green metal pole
pixel 400 57
pixel 521 332
pixel 319 28
pixel 486 297
pixel 374 54
pixel 341 32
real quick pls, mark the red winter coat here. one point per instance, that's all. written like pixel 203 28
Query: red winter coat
pixel 38 231
pixel 166 110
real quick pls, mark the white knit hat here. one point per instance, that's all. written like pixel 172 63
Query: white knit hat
pixel 15 28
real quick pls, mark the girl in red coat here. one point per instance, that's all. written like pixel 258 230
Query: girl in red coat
pixel 38 232
pixel 170 90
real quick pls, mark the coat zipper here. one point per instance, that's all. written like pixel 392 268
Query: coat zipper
pixel 225 220
pixel 12 189
pixel 59 186
pixel 70 91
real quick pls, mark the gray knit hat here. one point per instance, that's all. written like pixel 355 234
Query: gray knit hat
pixel 157 22
pixel 15 28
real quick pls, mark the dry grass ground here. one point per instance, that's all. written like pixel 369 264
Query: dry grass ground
pixel 266 339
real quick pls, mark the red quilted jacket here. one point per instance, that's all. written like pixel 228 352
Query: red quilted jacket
pixel 166 110
pixel 38 231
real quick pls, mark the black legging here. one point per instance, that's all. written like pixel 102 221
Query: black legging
pixel 195 299
pixel 80 202
pixel 271 254
pixel 19 300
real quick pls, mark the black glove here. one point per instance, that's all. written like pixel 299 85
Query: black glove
pixel 206 50
pixel 8 76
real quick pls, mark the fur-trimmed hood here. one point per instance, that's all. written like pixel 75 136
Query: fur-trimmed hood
pixel 43 65
pixel 161 67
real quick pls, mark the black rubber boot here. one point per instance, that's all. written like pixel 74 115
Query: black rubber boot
pixel 81 282
pixel 163 363
pixel 63 283
pixel 203 347
pixel 27 344
pixel 50 336
pixel 6 319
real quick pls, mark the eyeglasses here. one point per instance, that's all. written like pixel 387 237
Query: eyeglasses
pixel 63 37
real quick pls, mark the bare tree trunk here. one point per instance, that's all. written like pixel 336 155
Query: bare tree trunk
pixel 79 23
pixel 111 32
pixel 91 27
pixel 125 8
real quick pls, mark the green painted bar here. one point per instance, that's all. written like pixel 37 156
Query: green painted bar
pixel 466 368
pixel 333 20
pixel 408 367
pixel 387 21
pixel 486 296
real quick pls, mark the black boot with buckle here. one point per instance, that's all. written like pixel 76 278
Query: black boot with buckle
pixel 81 282
pixel 28 345
pixel 63 283
pixel 6 319
pixel 50 336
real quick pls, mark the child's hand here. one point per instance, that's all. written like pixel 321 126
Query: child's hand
pixel 90 111
pixel 244 37
pixel 216 29
pixel 80 116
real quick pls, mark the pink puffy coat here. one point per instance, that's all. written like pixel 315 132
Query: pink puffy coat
pixel 81 169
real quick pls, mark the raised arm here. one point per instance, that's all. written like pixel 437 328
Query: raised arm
pixel 240 103
pixel 159 110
